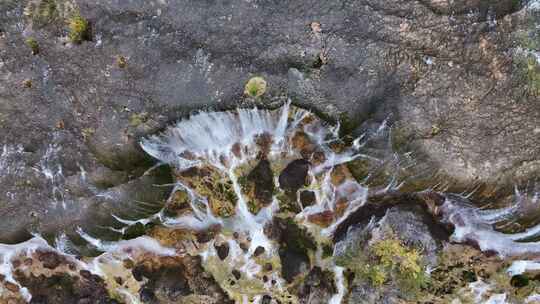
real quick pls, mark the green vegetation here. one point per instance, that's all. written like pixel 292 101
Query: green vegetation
pixel 346 127
pixel 87 133
pixel 386 262
pixel 217 188
pixel 79 29
pixel 528 73
pixel 42 12
pixel 526 61
pixel 33 45
pixel 399 262
pixel 533 76
pixel 255 87
pixel 138 119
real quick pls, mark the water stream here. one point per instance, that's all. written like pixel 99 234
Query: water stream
pixel 217 159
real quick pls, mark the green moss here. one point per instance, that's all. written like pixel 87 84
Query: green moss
pixel 327 250
pixel 79 29
pixel 388 261
pixel 435 130
pixel 346 127
pixel 404 263
pixel 136 230
pixel 87 133
pixel 33 45
pixel 138 119
pixel 527 71
pixel 255 87
pixel 527 66
pixel 533 76
pixel 296 238
pixel 401 137
pixel 217 188
pixel 42 12
pixel 287 202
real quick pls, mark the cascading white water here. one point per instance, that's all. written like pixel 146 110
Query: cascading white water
pixel 229 140
pixel 230 144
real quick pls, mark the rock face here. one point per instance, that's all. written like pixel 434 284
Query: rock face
pixel 459 81
pixel 170 280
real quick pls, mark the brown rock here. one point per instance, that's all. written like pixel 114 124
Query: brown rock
pixel 11 287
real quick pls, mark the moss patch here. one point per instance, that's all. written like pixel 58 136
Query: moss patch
pixel 217 188
pixel 44 12
pixel 388 262
pixel 79 29
pixel 33 45
pixel 255 87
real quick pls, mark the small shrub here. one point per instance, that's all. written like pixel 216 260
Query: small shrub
pixel 121 61
pixel 255 87
pixel 79 29
pixel 33 45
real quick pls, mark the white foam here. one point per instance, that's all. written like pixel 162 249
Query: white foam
pixel 534 298
pixel 143 243
pixel 521 266
pixel 8 252
pixel 340 284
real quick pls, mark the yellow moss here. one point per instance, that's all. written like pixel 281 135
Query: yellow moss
pixel 377 275
pixel 216 187
pixel 78 28
pixel 33 45
pixel 112 272
pixel 138 119
pixel 87 133
pixel 393 254
pixel 42 12
pixel 255 87
pixel 403 263
pixel 533 76
pixel 388 261
pixel 435 130
pixel 121 61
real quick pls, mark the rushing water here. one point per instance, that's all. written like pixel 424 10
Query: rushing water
pixel 224 147
pixel 229 141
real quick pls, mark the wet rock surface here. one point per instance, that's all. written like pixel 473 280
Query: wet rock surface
pixel 294 176
pixel 260 182
pixel 62 288
pixel 450 75
pixel 295 243
pixel 177 280
pixel 458 82
pixel 317 287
